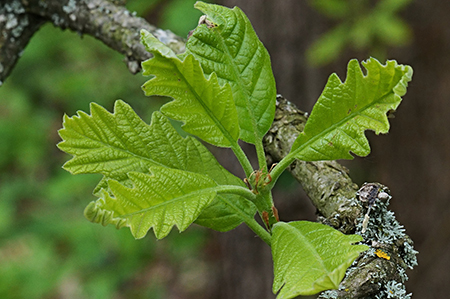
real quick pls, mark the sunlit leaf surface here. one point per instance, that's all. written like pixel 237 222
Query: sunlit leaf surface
pixel 115 144
pixel 206 108
pixel 159 200
pixel 310 257
pixel 228 46
pixel 345 110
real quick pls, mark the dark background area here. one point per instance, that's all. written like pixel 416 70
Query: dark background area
pixel 413 158
pixel 48 249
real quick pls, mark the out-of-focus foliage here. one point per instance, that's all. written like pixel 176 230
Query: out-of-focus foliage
pixel 366 25
pixel 176 15
pixel 47 248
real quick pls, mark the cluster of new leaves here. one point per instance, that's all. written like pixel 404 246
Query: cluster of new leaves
pixel 223 90
pixel 123 148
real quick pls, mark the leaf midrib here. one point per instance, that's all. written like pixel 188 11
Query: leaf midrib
pixel 224 131
pixel 296 231
pixel 236 74
pixel 336 126
pixel 211 190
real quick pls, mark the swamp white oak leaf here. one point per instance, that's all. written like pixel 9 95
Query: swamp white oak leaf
pixel 206 108
pixel 159 200
pixel 345 110
pixel 231 49
pixel 114 144
pixel 310 257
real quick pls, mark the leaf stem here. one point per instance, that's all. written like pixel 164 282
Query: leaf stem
pixel 261 155
pixel 243 160
pixel 232 189
pixel 279 168
pixel 259 230
pixel 250 221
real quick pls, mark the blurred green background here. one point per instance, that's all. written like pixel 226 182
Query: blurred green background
pixel 47 248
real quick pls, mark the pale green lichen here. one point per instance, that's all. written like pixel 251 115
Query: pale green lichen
pixel 385 229
pixel 70 7
pixel 394 290
pixel 382 225
pixel 384 264
pixel 331 294
pixel 15 19
pixel 410 255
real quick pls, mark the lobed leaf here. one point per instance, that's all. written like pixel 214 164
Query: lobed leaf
pixel 115 144
pixel 345 110
pixel 310 257
pixel 230 48
pixel 159 200
pixel 206 108
pixel 227 210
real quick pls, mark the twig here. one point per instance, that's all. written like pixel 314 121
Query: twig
pixel 112 24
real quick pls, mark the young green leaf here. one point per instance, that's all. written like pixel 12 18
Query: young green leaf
pixel 310 257
pixel 345 110
pixel 161 200
pixel 229 47
pixel 115 144
pixel 227 210
pixel 206 108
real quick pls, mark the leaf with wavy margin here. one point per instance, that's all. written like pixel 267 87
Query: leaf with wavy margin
pixel 310 257
pixel 159 200
pixel 345 110
pixel 115 144
pixel 230 48
pixel 206 108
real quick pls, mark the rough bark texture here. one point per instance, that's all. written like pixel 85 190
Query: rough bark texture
pixel 335 196
pixel 326 183
pixel 112 24
pixel 16 29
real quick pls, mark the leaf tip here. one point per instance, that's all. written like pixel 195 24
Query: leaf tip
pixel 199 5
pixel 153 45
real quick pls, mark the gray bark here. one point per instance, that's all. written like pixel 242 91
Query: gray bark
pixel 327 184
pixel 112 24
pixel 335 196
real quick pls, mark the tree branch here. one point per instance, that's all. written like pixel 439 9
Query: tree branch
pixel 336 198
pixel 112 24
pixel 16 29
pixel 326 183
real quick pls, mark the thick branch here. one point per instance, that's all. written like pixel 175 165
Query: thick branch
pixel 16 30
pixel 114 25
pixel 327 183
pixel 335 196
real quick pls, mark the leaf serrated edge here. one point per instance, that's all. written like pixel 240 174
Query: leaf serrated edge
pixel 97 213
pixel 256 133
